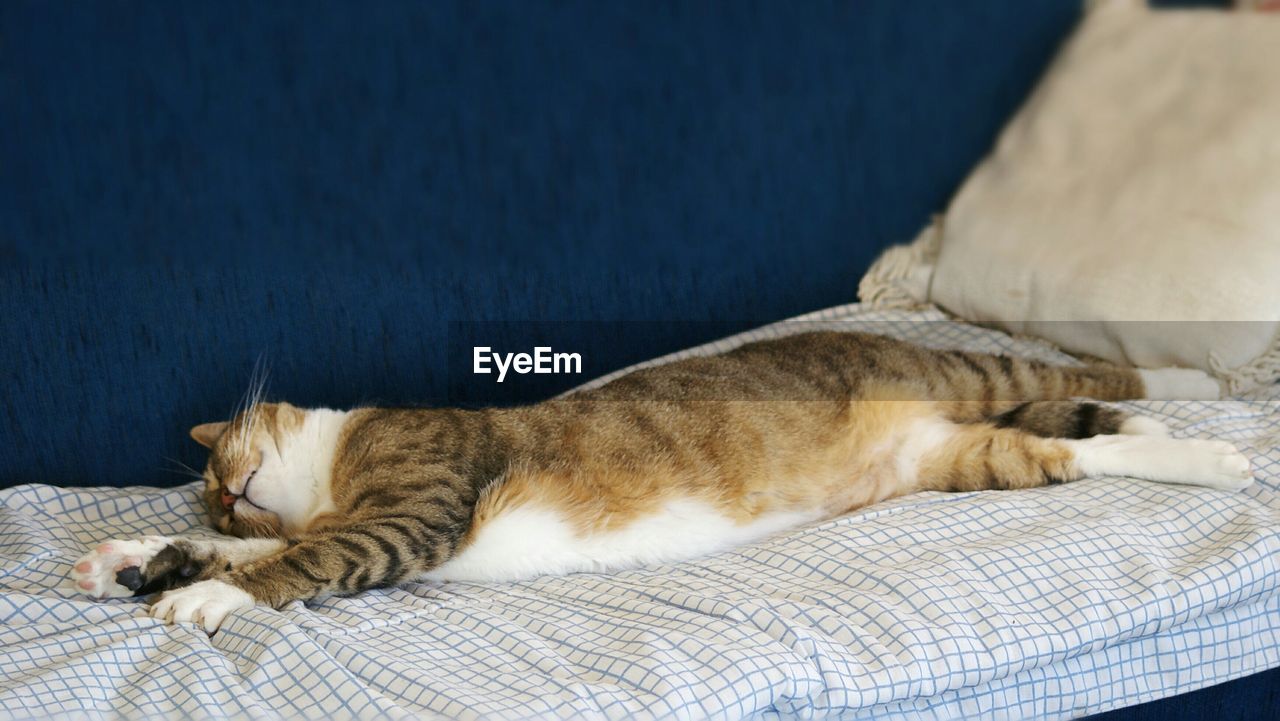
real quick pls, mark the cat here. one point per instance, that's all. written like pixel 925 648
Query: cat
pixel 663 464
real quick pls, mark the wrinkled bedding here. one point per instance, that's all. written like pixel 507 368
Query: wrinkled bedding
pixel 1045 603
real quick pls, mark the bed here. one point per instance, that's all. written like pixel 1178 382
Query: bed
pixel 1048 603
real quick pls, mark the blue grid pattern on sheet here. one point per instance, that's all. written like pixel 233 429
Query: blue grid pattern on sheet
pixel 1050 603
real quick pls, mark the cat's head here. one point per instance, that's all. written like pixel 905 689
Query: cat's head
pixel 259 480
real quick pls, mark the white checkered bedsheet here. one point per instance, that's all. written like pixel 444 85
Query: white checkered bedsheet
pixel 1048 603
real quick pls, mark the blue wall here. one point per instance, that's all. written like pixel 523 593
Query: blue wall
pixel 185 187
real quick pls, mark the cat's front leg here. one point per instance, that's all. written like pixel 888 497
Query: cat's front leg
pixel 369 553
pixel 152 564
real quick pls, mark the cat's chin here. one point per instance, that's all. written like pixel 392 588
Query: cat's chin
pixel 254 523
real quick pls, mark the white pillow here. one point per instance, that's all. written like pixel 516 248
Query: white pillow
pixel 1140 183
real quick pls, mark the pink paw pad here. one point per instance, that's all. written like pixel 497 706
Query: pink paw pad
pixel 98 572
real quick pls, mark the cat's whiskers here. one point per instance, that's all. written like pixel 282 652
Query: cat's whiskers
pixel 182 469
pixel 248 404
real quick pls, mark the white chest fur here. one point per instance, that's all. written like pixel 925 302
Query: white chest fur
pixel 305 468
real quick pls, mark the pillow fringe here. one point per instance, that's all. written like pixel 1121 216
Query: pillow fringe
pixel 899 279
pixel 1261 371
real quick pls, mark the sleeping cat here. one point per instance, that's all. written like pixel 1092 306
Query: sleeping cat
pixel 663 464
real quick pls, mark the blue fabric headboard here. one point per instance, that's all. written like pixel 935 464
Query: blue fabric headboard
pixel 187 187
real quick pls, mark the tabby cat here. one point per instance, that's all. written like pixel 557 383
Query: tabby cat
pixel 663 464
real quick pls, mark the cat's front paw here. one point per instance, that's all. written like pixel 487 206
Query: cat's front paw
pixel 207 603
pixel 117 568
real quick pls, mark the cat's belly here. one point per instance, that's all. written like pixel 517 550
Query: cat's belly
pixel 530 541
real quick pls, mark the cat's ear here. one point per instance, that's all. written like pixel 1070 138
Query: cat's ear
pixel 206 434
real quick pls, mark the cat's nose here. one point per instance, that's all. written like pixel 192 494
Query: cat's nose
pixel 228 500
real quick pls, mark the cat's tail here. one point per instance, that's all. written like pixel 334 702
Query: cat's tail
pixel 982 377
pixel 1038 397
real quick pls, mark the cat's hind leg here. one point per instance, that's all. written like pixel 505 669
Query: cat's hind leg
pixel 976 457
pixel 1076 419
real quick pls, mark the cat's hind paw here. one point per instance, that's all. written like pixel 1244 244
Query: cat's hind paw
pixel 1189 461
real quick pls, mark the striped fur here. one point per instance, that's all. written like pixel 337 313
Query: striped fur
pixel 766 436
